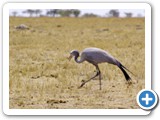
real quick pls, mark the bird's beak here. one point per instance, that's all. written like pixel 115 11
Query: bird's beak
pixel 69 58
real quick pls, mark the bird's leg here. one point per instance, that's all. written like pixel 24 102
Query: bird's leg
pixel 89 79
pixel 98 73
pixel 100 83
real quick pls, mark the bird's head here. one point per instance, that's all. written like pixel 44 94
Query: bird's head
pixel 73 53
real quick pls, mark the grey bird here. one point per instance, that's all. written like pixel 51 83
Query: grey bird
pixel 96 56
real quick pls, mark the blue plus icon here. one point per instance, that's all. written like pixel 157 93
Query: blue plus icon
pixel 147 99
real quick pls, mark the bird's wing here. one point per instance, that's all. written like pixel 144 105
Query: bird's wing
pixel 91 59
pixel 99 57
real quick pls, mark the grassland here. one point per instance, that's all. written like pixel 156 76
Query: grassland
pixel 41 77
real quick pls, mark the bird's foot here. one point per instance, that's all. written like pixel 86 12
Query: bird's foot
pixel 83 81
pixel 81 85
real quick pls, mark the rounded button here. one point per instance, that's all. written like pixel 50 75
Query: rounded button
pixel 147 99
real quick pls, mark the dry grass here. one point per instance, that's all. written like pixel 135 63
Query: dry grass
pixel 41 77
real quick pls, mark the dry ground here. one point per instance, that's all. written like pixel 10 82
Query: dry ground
pixel 41 77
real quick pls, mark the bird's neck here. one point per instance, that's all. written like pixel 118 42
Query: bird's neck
pixel 78 61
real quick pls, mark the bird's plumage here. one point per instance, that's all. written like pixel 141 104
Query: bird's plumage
pixel 97 56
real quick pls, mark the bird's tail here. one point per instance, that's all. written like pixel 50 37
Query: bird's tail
pixel 124 72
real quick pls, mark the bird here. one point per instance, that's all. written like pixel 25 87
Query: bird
pixel 96 56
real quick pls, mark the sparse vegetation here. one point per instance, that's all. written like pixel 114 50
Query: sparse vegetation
pixel 41 76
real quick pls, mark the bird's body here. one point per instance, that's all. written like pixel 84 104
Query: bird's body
pixel 96 56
